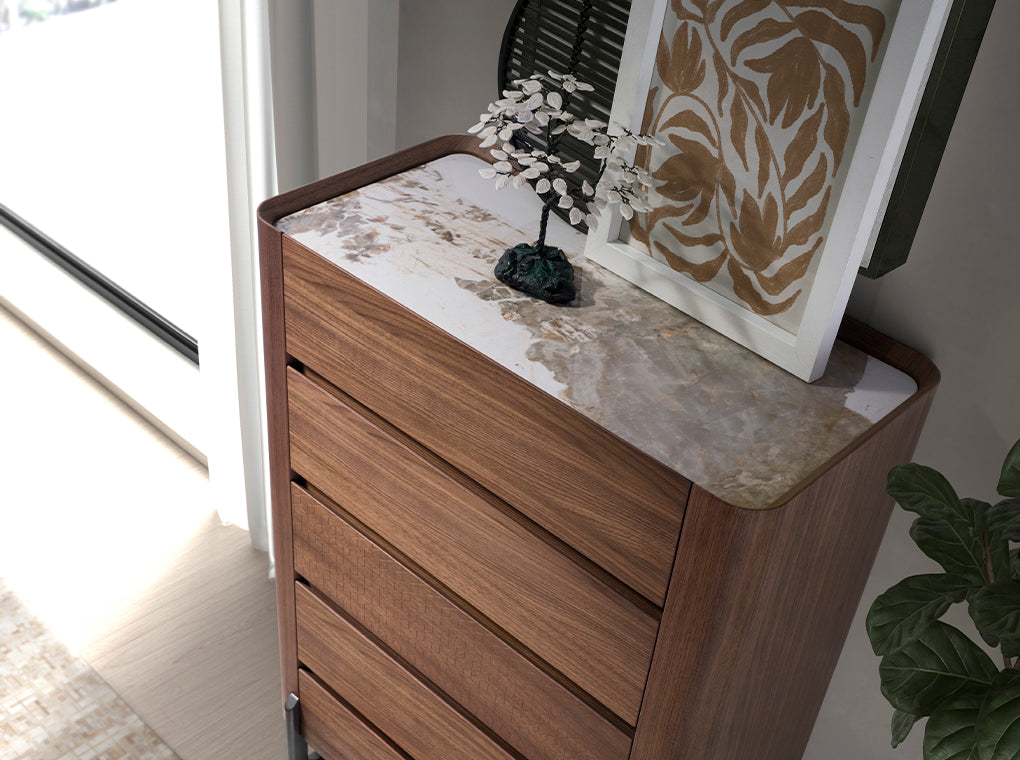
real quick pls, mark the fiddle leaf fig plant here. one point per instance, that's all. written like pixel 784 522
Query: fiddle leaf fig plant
pixel 930 668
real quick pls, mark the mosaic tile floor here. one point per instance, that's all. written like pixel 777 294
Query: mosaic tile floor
pixel 53 706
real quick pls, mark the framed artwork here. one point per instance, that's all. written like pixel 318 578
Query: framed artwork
pixel 783 124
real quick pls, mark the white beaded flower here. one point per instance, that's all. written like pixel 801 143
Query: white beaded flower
pixel 538 105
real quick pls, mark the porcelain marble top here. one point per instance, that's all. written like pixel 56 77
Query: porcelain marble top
pixel 738 426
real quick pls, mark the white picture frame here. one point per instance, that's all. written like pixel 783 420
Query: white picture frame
pixel 854 218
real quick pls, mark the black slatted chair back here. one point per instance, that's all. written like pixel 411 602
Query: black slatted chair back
pixel 579 37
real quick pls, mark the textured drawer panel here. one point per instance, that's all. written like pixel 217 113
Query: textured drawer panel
pixel 597 638
pixel 378 687
pixel 602 496
pixel 462 657
pixel 334 730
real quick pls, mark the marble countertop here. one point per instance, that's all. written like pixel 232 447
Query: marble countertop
pixel 738 426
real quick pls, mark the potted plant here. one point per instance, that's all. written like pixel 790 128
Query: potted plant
pixel 930 668
pixel 539 105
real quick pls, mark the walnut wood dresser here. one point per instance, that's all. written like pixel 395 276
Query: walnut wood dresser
pixel 510 530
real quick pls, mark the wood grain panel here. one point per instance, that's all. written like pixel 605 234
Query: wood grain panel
pixel 580 626
pixel 608 500
pixel 759 606
pixel 504 690
pixel 332 729
pixel 275 355
pixel 379 688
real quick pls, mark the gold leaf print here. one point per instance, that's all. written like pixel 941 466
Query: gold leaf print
pixel 801 233
pixel 641 155
pixel 802 147
pixel 837 126
pixel 686 69
pixel 663 61
pixel 824 30
pixel 789 272
pixel 754 236
pixel 764 147
pixel 690 178
pixel 702 272
pixel 851 13
pixel 810 188
pixel 684 14
pixel 743 288
pixel 794 79
pixel 722 75
pixel 768 30
pixel 740 11
pixel 738 129
pixel 756 101
pixel 692 121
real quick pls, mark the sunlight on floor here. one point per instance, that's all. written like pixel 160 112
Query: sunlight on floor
pixel 94 504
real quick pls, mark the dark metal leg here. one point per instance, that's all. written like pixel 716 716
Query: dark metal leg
pixel 296 747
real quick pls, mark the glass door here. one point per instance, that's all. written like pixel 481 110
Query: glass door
pixel 113 184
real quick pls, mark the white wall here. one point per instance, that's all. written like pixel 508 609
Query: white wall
pixel 292 40
pixel 956 299
pixel 449 54
pixel 334 73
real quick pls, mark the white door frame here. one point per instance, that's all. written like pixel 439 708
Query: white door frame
pixel 352 119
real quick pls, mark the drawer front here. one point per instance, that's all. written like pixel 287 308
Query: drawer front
pixel 378 687
pixel 597 638
pixel 500 687
pixel 332 729
pixel 611 502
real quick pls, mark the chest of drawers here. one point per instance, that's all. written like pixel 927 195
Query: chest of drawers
pixel 510 530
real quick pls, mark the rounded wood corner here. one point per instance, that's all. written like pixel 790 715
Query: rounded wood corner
pixel 912 363
pixel 271 210
pixel 908 360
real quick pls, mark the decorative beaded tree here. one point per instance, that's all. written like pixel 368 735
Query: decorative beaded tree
pixel 539 106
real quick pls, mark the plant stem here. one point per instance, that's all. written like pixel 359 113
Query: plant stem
pixel 546 208
pixel 988 559
pixel 990 570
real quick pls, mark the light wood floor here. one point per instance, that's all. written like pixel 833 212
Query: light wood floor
pixel 108 534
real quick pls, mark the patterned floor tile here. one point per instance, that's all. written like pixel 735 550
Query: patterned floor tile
pixel 53 706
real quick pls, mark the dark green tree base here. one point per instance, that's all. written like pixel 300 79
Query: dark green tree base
pixel 540 272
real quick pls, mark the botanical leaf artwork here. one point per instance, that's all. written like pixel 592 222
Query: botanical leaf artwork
pixel 757 103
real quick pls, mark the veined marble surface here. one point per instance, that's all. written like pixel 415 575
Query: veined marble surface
pixel 738 426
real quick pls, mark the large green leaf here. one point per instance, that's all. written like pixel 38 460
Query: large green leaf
pixel 950 733
pixel 995 610
pixel 921 489
pixel 901 724
pixel 998 724
pixel 1004 519
pixel 1009 479
pixel 1010 648
pixel 956 541
pixel 998 554
pixel 898 616
pixel 933 667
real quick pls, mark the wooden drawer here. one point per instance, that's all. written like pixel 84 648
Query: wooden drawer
pixel 331 728
pixel 474 546
pixel 536 715
pixel 420 721
pixel 611 502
